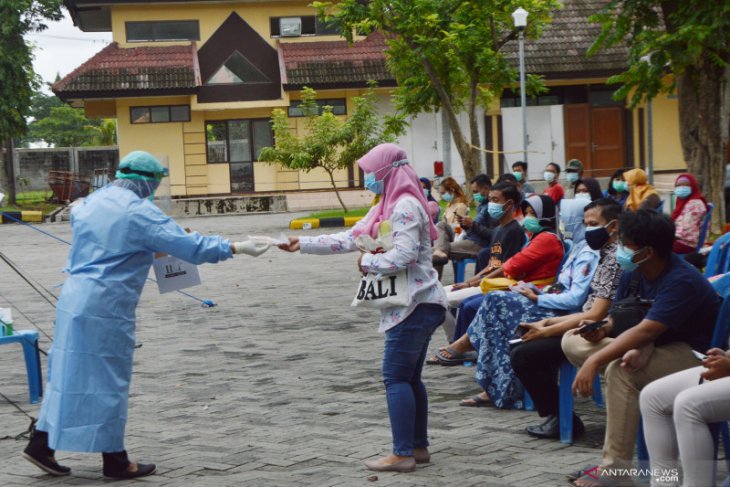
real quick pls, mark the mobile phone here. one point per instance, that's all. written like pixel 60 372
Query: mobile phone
pixel 700 356
pixel 591 327
pixel 515 341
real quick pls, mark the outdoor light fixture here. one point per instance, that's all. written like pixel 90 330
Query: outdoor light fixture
pixel 520 16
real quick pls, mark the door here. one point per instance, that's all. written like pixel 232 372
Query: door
pixel 540 135
pixel 595 136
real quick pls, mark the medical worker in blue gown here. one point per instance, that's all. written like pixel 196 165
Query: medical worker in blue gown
pixel 116 231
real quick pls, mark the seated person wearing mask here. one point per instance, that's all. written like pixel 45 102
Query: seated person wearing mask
pixel 519 170
pixel 478 230
pixel 682 310
pixel 553 189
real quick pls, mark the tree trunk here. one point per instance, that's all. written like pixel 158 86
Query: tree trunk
pixel 470 158
pixel 9 172
pixel 332 180
pixel 704 117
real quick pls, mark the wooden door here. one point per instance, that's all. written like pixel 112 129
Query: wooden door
pixel 577 132
pixel 607 134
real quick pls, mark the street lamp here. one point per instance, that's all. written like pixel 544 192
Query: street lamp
pixel 520 18
pixel 650 130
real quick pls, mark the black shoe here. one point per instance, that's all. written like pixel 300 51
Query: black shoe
pixel 39 454
pixel 550 429
pixel 115 466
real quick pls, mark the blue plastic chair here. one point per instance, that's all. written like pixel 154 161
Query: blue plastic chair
pixel 705 227
pixel 460 268
pixel 567 376
pixel 720 337
pixel 29 340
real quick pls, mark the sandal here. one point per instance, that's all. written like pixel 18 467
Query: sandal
pixel 455 358
pixel 594 478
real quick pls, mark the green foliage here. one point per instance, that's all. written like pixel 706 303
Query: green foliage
pixel 103 132
pixel 672 35
pixel 445 54
pixel 66 127
pixel 330 142
pixel 17 79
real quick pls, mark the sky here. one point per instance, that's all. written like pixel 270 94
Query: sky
pixel 62 48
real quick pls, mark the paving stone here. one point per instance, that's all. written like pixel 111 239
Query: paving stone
pixel 279 385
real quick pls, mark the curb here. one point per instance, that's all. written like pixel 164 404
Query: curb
pixel 309 223
pixel 24 216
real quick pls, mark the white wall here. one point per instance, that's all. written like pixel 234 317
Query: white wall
pixel 424 143
pixel 546 139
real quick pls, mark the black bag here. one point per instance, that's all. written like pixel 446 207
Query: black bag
pixel 629 312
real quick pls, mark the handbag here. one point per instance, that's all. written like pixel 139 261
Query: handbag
pixel 629 311
pixel 380 291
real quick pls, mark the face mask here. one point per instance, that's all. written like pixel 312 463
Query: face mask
pixel 549 177
pixel 517 175
pixel 372 184
pixel 683 192
pixel 447 197
pixel 426 193
pixel 619 186
pixel 597 237
pixel 495 210
pixel 572 177
pixel 625 256
pixel 583 196
pixel 479 198
pixel 532 224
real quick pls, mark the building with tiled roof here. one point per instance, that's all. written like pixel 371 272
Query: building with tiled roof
pixel 195 82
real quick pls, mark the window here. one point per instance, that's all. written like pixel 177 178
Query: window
pixel 160 114
pixel 338 107
pixel 309 25
pixel 237 70
pixel 239 143
pixel 163 30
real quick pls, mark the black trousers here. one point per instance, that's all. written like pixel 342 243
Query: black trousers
pixel 537 364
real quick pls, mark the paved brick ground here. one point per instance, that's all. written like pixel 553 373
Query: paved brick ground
pixel 277 386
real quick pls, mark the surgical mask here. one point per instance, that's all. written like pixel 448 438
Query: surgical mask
pixel 597 237
pixel 583 196
pixel 495 210
pixel 683 192
pixel 447 197
pixel 517 175
pixel 372 184
pixel 572 177
pixel 532 224
pixel 549 176
pixel 619 186
pixel 625 256
pixel 479 198
pixel 426 193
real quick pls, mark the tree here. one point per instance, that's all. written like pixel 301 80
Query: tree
pixel 103 133
pixel 330 143
pixel 64 127
pixel 17 79
pixel 445 54
pixel 680 46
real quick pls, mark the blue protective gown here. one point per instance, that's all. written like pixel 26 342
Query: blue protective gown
pixel 115 234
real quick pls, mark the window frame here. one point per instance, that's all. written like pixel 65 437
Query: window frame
pixel 321 104
pixel 319 27
pixel 228 138
pixel 153 22
pixel 149 113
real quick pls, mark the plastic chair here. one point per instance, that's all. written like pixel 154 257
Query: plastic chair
pixel 704 228
pixel 567 376
pixel 460 268
pixel 29 340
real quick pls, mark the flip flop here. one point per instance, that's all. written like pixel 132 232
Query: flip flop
pixel 593 477
pixel 456 357
pixel 579 473
pixel 478 402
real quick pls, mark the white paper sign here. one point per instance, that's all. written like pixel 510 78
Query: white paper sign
pixel 173 274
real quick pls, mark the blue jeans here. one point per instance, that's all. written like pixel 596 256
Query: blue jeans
pixel 467 311
pixel 403 357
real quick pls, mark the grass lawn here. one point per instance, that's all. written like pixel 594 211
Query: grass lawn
pixel 32 201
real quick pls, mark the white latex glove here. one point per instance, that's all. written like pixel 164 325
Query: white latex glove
pixel 250 247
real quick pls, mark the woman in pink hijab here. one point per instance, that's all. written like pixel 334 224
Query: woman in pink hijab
pixel 402 210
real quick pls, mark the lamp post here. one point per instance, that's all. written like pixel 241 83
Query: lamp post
pixel 520 18
pixel 649 131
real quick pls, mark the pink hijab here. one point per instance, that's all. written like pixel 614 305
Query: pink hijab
pixel 389 163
